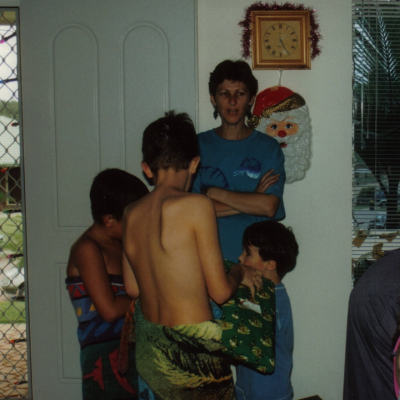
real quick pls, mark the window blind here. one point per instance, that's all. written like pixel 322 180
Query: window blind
pixel 376 126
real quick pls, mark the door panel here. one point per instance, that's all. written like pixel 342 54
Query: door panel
pixel 94 74
pixel 68 352
pixel 74 66
pixel 155 88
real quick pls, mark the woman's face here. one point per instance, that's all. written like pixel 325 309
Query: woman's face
pixel 232 99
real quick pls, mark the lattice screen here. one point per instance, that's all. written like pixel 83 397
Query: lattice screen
pixel 13 349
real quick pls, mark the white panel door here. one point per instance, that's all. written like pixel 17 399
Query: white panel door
pixel 94 74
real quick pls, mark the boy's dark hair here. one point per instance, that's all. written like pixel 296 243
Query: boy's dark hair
pixel 170 142
pixel 112 190
pixel 233 71
pixel 275 242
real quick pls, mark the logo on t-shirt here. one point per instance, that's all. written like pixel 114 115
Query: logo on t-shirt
pixel 251 167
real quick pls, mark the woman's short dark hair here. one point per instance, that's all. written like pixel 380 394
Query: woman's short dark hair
pixel 233 71
pixel 112 190
pixel 170 142
pixel 275 242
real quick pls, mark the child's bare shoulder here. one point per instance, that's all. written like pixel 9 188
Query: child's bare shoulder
pixel 133 211
pixel 85 245
pixel 138 204
pixel 195 201
pixel 192 209
pixel 84 253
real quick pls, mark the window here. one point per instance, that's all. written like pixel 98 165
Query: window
pixel 376 135
pixel 13 349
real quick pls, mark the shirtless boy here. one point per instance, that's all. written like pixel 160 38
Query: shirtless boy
pixel 171 243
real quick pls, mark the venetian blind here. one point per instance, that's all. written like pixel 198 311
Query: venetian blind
pixel 376 122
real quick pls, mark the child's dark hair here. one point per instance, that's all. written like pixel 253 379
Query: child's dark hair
pixel 275 242
pixel 233 71
pixel 170 142
pixel 112 190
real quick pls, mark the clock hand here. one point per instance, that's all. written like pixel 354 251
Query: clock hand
pixel 280 39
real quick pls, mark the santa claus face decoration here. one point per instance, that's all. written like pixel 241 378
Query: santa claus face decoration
pixel 283 115
pixel 281 129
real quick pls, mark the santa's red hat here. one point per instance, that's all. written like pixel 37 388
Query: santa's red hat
pixel 274 99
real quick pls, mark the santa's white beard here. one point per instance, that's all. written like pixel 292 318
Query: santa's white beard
pixel 297 158
pixel 298 150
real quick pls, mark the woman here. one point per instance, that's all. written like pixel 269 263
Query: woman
pixel 94 281
pixel 242 170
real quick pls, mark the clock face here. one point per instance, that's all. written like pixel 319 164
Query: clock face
pixel 280 40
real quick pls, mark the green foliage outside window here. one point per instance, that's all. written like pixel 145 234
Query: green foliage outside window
pixel 12 312
pixel 9 109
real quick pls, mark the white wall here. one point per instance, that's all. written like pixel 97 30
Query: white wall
pixel 318 207
pixel 9 3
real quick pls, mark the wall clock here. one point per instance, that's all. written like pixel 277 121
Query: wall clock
pixel 281 39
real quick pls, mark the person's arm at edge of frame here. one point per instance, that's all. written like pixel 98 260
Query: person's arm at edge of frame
pixel 131 286
pixel 220 285
pixel 130 283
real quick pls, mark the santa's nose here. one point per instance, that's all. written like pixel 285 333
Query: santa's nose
pixel 282 134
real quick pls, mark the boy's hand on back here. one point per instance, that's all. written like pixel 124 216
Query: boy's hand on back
pixel 252 278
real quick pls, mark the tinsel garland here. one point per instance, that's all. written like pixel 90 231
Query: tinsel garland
pixel 246 24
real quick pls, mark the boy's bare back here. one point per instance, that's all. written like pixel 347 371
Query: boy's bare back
pixel 170 235
pixel 172 254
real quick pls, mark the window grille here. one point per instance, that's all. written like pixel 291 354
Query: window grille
pixel 376 135
pixel 13 348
